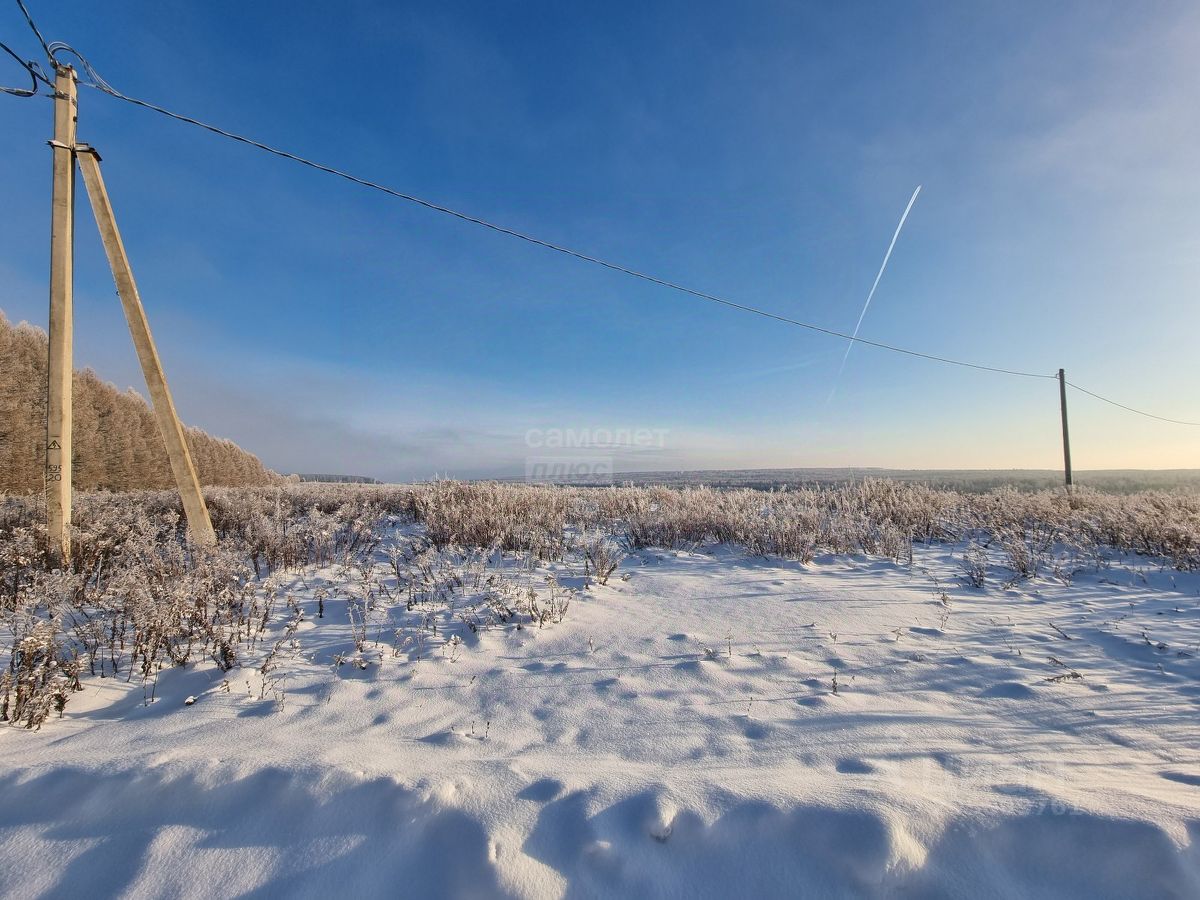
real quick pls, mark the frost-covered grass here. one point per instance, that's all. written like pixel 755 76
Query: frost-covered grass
pixel 135 598
pixel 503 690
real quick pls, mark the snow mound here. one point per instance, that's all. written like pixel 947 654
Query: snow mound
pixel 186 832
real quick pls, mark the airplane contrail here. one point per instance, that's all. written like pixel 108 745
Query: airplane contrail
pixel 879 275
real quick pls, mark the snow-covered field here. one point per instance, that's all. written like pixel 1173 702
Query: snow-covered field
pixel 708 723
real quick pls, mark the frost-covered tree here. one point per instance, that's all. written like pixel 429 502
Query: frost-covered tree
pixel 117 444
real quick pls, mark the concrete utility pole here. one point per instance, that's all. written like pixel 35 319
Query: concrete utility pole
pixel 199 524
pixel 1062 400
pixel 60 366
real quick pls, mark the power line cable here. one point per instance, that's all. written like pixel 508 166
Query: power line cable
pixel 549 245
pixel 103 86
pixel 30 69
pixel 41 40
pixel 1131 409
pixel 100 84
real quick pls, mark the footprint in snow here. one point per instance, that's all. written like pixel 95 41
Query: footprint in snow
pixel 812 702
pixel 755 731
pixel 1182 778
pixel 441 738
pixel 854 766
pixel 541 791
pixel 1009 690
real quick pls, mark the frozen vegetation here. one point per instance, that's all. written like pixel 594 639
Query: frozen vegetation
pixel 507 690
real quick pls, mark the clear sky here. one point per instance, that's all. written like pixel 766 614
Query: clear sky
pixel 759 151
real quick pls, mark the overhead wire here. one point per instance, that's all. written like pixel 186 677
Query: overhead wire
pixel 33 69
pixel 99 83
pixel 549 245
pixel 58 47
pixel 30 70
pixel 1130 408
pixel 37 33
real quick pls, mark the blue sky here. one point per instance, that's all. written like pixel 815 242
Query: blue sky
pixel 760 151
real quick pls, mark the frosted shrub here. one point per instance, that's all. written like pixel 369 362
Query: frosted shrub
pixel 527 517
pixel 1023 554
pixel 39 677
pixel 975 565
pixel 601 556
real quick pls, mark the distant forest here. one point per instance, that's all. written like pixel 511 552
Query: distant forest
pixel 117 443
pixel 969 481
pixel 338 479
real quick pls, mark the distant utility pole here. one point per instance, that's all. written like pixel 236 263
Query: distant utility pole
pixel 60 367
pixel 1062 400
pixel 58 399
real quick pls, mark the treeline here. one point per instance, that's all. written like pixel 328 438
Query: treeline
pixel 117 445
pixel 338 479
